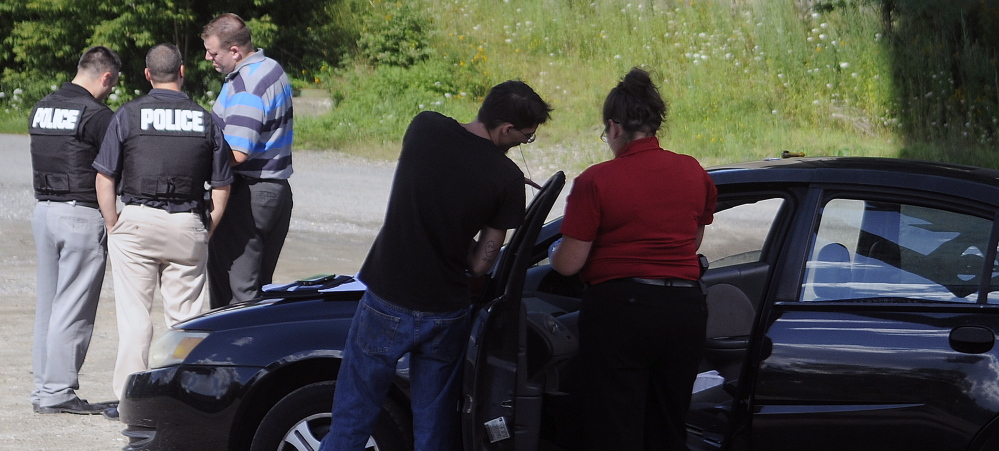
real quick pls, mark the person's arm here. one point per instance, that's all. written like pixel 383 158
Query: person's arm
pixel 107 199
pixel 570 256
pixel 699 238
pixel 485 251
pixel 237 157
pixel 220 196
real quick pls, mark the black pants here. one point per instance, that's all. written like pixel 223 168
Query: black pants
pixel 243 252
pixel 640 348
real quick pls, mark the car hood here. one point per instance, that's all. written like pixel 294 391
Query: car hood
pixel 284 303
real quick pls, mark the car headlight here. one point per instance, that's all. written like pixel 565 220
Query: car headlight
pixel 173 346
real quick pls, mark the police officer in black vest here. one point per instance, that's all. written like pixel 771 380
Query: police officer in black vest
pixel 161 150
pixel 66 129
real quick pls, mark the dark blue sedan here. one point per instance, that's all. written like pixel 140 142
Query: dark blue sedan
pixel 851 306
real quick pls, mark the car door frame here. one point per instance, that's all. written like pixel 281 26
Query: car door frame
pixel 501 408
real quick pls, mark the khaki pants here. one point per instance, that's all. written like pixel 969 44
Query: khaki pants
pixel 149 247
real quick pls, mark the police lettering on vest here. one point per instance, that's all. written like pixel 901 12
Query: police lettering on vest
pixel 60 156
pixel 167 120
pixel 55 118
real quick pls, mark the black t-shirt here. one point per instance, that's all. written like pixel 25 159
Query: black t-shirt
pixel 449 184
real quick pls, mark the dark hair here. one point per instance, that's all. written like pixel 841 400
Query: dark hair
pixel 635 103
pixel 230 29
pixel 515 102
pixel 98 60
pixel 164 61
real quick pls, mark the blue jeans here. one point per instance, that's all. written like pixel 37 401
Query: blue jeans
pixel 381 333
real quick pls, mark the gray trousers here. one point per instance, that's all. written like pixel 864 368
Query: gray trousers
pixel 71 246
pixel 245 247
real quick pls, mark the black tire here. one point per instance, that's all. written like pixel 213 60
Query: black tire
pixel 302 418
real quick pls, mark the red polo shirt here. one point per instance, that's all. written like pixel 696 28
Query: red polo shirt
pixel 641 211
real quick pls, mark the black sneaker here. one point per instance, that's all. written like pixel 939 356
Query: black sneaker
pixel 111 413
pixel 75 405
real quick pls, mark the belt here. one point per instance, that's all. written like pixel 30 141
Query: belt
pixel 74 203
pixel 253 180
pixel 678 283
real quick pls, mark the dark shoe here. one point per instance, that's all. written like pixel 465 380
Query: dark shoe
pixel 105 405
pixel 111 413
pixel 75 405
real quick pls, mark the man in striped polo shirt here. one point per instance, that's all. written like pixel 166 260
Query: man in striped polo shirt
pixel 255 112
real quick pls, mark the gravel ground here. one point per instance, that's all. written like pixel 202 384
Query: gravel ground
pixel 339 205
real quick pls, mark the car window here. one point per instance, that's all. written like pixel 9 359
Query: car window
pixel 887 251
pixel 739 231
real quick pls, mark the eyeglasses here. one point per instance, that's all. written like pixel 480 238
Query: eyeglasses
pixel 603 134
pixel 530 138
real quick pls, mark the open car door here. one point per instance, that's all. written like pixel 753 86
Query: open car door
pixel 501 408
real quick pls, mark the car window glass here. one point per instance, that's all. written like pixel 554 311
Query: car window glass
pixel 890 252
pixel 739 231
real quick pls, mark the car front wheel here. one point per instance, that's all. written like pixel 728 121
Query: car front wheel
pixel 300 420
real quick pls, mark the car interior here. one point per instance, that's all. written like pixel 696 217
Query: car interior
pixel 735 285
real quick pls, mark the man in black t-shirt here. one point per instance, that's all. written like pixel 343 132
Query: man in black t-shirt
pixel 453 182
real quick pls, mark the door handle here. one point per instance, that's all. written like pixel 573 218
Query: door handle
pixel 972 339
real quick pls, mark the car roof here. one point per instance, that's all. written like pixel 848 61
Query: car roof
pixel 970 182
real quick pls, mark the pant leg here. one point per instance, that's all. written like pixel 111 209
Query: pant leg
pixel 276 201
pixel 182 277
pixel 435 379
pixel 132 245
pixel 672 374
pixel 228 242
pixel 47 267
pixel 379 336
pixel 613 380
pixel 71 244
pixel 245 249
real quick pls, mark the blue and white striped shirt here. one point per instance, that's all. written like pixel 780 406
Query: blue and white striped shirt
pixel 255 112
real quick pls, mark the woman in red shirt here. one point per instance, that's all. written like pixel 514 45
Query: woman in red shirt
pixel 631 230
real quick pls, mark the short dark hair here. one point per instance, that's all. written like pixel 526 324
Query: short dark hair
pixel 230 30
pixel 164 61
pixel 98 60
pixel 515 102
pixel 635 103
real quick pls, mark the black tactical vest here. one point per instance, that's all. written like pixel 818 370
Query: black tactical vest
pixel 168 153
pixel 60 159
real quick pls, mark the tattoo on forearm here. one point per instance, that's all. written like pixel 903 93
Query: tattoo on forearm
pixel 490 251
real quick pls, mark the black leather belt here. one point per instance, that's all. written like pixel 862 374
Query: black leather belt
pixel 678 283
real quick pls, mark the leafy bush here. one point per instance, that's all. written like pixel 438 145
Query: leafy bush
pixel 394 34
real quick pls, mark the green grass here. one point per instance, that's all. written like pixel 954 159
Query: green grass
pixel 745 80
pixel 14 123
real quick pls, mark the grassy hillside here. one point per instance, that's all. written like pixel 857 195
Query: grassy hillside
pixel 745 79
